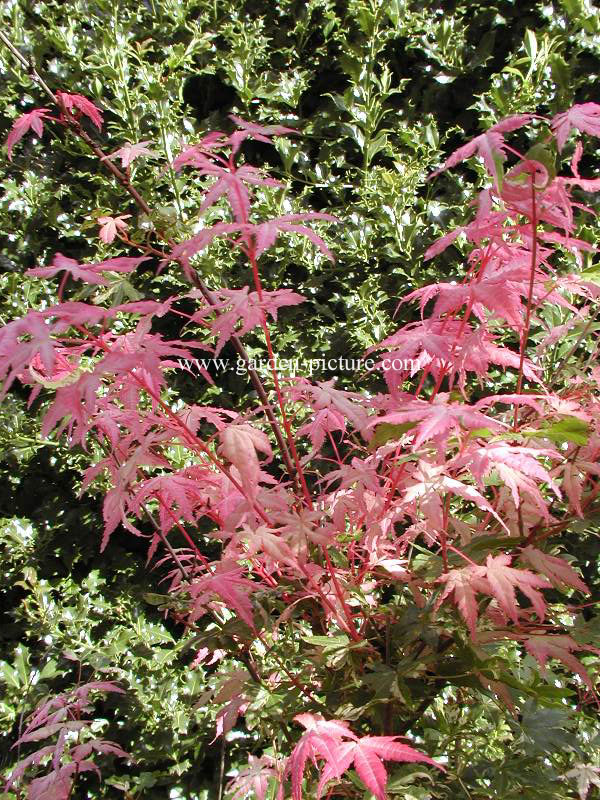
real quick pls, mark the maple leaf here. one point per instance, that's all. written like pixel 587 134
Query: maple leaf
pixel 89 273
pixel 497 294
pixel 20 342
pixel 199 155
pixel 177 491
pixel 110 226
pixel 488 145
pixel 318 724
pixel 262 133
pixel 63 373
pixel 255 778
pixel 504 579
pixel 56 716
pixel 229 585
pixel 32 120
pixel 558 571
pixel 573 478
pixel 77 271
pixel 584 117
pixel 542 647
pixel 367 755
pixel 262 235
pixel 185 250
pixel 230 180
pixel 487 224
pixel 241 305
pixel 498 580
pixel 55 786
pixel 324 395
pixel 442 243
pixel 239 444
pixel 129 152
pixel 585 775
pixel 74 313
pixel 324 421
pixel 516 466
pixel 420 343
pixel 436 420
pixel 269 542
pixel 82 104
pixel 266 233
pixel 463 585
pixel 228 715
pixel 232 184
pixel 426 486
pixel 322 739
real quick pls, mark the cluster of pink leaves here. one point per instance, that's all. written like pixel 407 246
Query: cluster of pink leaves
pixel 61 717
pixel 75 104
pixel 430 475
pixel 332 742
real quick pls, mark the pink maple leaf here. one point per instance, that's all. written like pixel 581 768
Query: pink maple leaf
pixel 261 133
pixel 367 755
pixel 228 583
pixel 80 103
pixel 324 421
pixel 463 584
pixel 324 395
pixel 255 778
pixel 488 145
pixel 20 342
pixel 110 226
pixel 542 647
pixel 239 444
pixel 89 273
pixel 436 420
pixel 63 372
pixel 129 152
pixel 557 570
pixel 516 466
pixel 504 579
pixel 195 155
pixel 584 117
pixel 266 233
pixel 185 250
pixel 245 307
pixel 329 727
pixel 498 580
pixel 32 120
pixel 427 485
pixel 233 185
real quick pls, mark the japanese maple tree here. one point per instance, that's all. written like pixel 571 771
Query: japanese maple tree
pixel 298 539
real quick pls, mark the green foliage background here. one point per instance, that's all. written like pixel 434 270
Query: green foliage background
pixel 379 91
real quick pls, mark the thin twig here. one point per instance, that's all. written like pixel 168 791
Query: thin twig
pixel 525 333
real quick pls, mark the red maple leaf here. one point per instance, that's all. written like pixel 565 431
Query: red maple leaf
pixel 77 102
pixel 32 120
